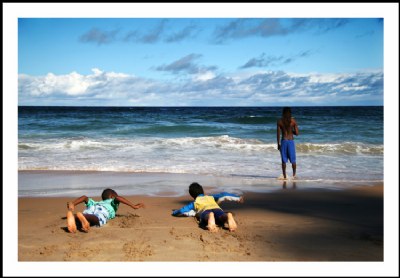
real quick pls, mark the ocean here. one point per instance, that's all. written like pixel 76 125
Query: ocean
pixel 335 144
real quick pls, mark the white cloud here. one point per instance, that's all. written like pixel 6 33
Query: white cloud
pixel 70 84
pixel 205 88
pixel 204 76
pixel 324 78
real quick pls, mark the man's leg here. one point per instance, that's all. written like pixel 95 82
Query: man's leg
pixel 284 157
pixel 294 169
pixel 284 170
pixel 292 156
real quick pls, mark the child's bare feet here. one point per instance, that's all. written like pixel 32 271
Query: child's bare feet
pixel 211 223
pixel 231 222
pixel 84 222
pixel 71 225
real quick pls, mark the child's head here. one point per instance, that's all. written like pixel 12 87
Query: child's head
pixel 108 194
pixel 195 190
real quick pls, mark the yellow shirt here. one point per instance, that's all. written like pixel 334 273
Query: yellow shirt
pixel 203 203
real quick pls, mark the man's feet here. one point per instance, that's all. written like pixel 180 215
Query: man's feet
pixel 282 177
pixel 84 222
pixel 231 222
pixel 211 226
pixel 71 225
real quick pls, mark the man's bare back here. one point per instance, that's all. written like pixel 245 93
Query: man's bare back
pixel 287 133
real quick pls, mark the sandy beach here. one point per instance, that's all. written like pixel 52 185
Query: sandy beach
pixel 289 225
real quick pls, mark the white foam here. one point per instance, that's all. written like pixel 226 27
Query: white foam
pixel 217 155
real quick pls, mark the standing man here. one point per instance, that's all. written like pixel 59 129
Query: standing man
pixel 288 126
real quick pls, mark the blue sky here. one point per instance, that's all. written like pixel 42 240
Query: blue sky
pixel 200 61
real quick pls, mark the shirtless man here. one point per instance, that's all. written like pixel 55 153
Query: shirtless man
pixel 288 126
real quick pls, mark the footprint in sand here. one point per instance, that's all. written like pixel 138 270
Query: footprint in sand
pixel 137 250
pixel 47 250
pixel 127 221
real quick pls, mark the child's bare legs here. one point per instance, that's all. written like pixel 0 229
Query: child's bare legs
pixel 87 220
pixel 231 222
pixel 211 223
pixel 71 225
pixel 228 218
pixel 84 222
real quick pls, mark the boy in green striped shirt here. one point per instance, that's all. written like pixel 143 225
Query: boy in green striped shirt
pixel 96 213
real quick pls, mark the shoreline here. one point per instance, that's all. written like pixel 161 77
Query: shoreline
pixel 64 183
pixel 287 225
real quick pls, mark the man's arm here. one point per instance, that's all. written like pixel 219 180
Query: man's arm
pixel 128 203
pixel 295 127
pixel 71 205
pixel 278 135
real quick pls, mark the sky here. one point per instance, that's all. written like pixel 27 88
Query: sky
pixel 200 61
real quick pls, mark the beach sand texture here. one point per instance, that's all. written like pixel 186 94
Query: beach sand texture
pixel 287 225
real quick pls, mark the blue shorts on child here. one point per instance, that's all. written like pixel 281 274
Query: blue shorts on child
pixel 99 211
pixel 217 213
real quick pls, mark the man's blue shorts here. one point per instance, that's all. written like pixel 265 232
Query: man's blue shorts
pixel 288 151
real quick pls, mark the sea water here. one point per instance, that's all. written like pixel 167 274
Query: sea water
pixel 335 144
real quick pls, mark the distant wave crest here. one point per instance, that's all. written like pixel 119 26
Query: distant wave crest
pixel 340 148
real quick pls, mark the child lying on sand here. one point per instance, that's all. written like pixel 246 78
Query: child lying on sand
pixel 96 213
pixel 206 208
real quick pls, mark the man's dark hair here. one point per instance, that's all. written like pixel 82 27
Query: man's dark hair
pixel 286 117
pixel 286 111
pixel 107 193
pixel 195 190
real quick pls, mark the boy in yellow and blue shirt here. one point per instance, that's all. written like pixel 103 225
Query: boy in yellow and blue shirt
pixel 206 208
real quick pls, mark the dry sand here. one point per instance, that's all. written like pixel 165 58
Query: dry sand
pixel 290 225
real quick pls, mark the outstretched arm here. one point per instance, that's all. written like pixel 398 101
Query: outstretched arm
pixel 187 210
pixel 128 203
pixel 71 205
pixel 225 196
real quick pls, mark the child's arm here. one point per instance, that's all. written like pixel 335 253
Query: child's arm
pixel 225 196
pixel 71 205
pixel 128 203
pixel 187 210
